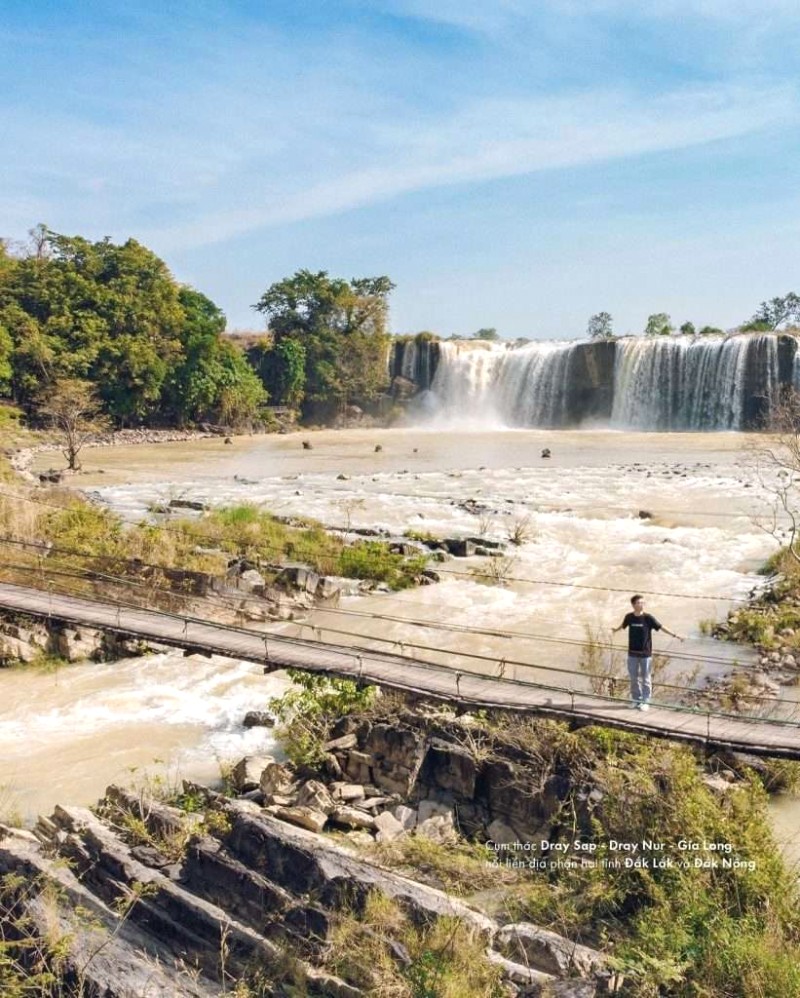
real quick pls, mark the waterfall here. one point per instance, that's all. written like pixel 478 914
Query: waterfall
pixel 539 384
pixel 693 384
pixel 463 387
pixel 408 361
pixel 659 383
pixel 414 360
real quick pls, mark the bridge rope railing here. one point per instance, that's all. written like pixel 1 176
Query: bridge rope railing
pixel 138 564
pixel 357 653
pixel 503 661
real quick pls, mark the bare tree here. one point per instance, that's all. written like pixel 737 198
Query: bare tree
pixel 600 326
pixel 73 410
pixel 775 457
pixel 39 246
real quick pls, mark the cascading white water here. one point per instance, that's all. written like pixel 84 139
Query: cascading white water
pixel 533 384
pixel 527 386
pixel 414 360
pixel 662 383
pixel 408 365
pixel 690 384
pixel 464 386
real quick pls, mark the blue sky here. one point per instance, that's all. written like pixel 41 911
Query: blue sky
pixel 507 163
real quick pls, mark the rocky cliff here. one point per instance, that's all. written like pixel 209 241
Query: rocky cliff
pixel 279 887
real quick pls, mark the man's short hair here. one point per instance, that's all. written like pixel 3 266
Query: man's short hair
pixel 634 598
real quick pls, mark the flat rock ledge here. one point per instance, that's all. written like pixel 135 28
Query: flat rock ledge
pixel 245 890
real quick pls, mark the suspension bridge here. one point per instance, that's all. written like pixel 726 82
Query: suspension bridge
pixel 456 683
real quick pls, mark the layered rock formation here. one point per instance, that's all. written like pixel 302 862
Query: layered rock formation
pixel 251 889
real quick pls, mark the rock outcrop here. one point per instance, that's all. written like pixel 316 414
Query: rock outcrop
pixel 25 639
pixel 152 900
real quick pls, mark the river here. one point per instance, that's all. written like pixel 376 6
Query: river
pixel 585 549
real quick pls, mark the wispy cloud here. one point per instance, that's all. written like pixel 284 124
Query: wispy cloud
pixel 502 138
pixel 190 131
pixel 480 16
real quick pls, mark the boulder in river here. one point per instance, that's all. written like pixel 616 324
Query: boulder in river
pixel 258 719
pixel 193 504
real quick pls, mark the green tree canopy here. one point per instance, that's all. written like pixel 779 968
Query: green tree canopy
pixel 687 329
pixel 108 314
pixel 775 313
pixel 6 350
pixel 113 316
pixel 659 324
pixel 487 333
pixel 341 327
pixel 212 380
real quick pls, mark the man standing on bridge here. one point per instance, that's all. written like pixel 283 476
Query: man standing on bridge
pixel 640 650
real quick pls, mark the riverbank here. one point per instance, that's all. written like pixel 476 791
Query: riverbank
pixel 481 855
pixel 769 624
pixel 34 458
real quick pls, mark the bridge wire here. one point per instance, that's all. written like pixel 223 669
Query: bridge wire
pixel 347 611
pixel 89 576
pixel 347 653
pixel 466 574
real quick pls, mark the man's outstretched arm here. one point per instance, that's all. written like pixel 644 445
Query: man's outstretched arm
pixel 672 634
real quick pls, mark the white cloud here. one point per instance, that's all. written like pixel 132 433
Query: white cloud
pixel 494 139
pixel 245 133
pixel 484 17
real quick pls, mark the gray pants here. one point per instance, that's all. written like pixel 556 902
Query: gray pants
pixel 639 670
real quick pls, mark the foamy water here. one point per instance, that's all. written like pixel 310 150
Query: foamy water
pixel 581 523
pixel 66 734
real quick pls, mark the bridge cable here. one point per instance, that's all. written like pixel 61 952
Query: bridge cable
pixel 433 625
pixel 348 652
pixel 89 576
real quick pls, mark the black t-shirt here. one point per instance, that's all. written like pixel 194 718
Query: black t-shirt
pixel 640 630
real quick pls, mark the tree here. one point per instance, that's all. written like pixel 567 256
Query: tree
pixel 73 409
pixel 687 329
pixel 711 331
pixel 96 312
pixel 114 316
pixel 6 370
pixel 292 357
pixel 600 326
pixel 659 324
pixel 341 326
pixel 777 312
pixel 212 380
pixel 240 392
pixel 489 333
pixel 776 459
